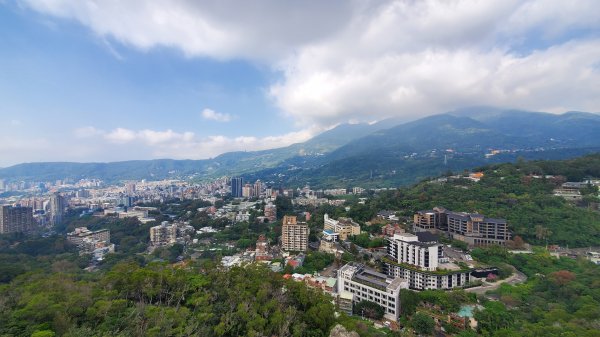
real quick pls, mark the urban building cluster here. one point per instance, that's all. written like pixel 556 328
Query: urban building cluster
pixel 32 214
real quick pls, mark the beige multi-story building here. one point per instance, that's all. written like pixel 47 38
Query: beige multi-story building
pixel 344 227
pixel 294 234
pixel 247 191
pixel 15 219
pixel 163 234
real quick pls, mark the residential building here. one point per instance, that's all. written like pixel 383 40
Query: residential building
pixel 57 209
pixel 419 259
pixel 472 228
pixel 477 230
pixel 263 252
pixel 16 219
pixel 294 234
pixel 247 191
pixel 343 226
pixel 407 248
pixel 163 234
pixel 270 212
pixel 82 233
pixel 391 229
pixel 369 285
pixel 257 188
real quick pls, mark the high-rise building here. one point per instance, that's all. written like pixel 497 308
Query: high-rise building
pixel 2 185
pixel 257 188
pixel 247 191
pixel 294 234
pixel 236 187
pixel 57 208
pixel 15 219
pixel 130 189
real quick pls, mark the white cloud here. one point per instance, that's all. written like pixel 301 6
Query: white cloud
pixel 215 116
pixel 214 28
pixel 368 60
pixel 184 145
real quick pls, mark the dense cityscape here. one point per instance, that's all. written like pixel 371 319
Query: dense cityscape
pixel 388 168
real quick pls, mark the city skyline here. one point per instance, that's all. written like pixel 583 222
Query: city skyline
pixel 142 80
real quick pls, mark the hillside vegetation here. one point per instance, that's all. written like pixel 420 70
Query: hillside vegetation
pixel 510 191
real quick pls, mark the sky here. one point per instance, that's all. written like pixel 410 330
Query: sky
pixel 111 80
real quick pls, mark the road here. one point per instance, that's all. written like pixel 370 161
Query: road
pixel 516 278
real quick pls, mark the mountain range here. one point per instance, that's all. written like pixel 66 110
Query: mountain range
pixel 387 153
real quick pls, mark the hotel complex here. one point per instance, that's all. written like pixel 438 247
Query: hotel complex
pixel 472 228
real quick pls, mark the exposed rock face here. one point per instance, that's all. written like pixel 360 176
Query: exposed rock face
pixel 340 331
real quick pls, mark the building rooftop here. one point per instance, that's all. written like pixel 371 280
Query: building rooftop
pixel 375 279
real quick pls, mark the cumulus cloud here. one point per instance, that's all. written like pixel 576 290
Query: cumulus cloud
pixel 215 116
pixel 264 29
pixel 187 145
pixel 366 60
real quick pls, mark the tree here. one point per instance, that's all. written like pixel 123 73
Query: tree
pixel 493 317
pixel 423 324
pixel 409 300
pixel 369 309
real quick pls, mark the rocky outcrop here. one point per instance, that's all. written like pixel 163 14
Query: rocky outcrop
pixel 340 331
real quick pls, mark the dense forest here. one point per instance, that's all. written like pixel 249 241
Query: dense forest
pixel 162 300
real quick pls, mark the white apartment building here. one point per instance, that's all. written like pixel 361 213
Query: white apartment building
pixel 422 280
pixel 418 258
pixel 343 226
pixel 406 248
pixel 360 283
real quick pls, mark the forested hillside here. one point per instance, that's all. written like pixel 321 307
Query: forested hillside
pixel 511 191
pixel 163 300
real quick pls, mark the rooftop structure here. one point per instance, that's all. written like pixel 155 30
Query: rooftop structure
pixel 367 284
pixel 343 226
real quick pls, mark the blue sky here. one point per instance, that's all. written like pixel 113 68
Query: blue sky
pixel 82 80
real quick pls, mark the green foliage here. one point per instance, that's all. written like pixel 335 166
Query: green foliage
pixel 508 191
pixel 315 262
pixel 369 309
pixel 423 323
pixel 364 241
pixel 160 300
pixel 493 317
pixel 284 206
pixel 561 297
